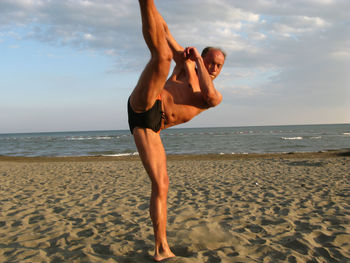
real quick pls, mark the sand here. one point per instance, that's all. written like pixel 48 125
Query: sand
pixel 222 208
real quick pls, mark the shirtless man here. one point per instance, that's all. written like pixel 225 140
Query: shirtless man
pixel 157 103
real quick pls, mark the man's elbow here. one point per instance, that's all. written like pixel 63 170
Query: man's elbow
pixel 214 100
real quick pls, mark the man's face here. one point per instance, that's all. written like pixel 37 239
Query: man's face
pixel 213 61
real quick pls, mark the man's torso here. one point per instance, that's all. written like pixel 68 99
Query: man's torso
pixel 182 98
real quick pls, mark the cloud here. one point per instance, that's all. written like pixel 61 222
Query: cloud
pixel 105 26
pixel 239 92
pixel 280 51
pixel 101 25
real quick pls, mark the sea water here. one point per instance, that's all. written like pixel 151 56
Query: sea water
pixel 222 140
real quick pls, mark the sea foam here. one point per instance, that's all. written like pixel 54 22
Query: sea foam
pixel 292 138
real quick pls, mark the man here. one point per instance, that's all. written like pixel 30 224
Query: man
pixel 157 103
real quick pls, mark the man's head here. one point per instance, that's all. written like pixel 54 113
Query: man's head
pixel 213 59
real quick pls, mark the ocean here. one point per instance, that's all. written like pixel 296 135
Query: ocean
pixel 224 140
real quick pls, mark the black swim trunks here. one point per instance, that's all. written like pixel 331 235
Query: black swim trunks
pixel 151 119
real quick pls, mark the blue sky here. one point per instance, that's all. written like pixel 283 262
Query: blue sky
pixel 71 65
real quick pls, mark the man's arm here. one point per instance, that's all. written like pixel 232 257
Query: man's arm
pixel 178 50
pixel 211 95
pixel 180 55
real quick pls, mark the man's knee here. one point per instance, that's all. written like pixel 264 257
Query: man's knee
pixel 161 64
pixel 160 186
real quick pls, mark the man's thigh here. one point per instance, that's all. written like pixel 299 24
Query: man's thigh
pixel 150 84
pixel 151 151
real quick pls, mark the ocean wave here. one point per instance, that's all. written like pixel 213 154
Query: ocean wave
pixel 121 154
pixel 316 137
pixel 346 133
pixel 292 138
pixel 90 138
pixel 77 139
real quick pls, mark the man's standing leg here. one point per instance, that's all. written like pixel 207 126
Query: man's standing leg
pixel 153 157
pixel 148 142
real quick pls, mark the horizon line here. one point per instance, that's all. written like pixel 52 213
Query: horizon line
pixel 239 126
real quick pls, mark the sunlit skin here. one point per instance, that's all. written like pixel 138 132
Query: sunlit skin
pixel 186 93
pixel 214 62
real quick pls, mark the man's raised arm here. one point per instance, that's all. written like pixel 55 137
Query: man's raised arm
pixel 211 95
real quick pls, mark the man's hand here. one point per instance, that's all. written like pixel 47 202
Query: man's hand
pixel 191 53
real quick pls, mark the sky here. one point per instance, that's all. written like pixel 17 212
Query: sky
pixel 70 65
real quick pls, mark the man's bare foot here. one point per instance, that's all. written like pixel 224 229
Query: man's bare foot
pixel 163 255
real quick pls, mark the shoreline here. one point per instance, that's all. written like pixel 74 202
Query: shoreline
pixel 171 157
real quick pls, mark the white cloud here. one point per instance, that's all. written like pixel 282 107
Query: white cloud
pixel 295 26
pixel 242 91
pixel 243 74
pixel 322 2
pixel 257 36
pixel 305 41
pixel 314 21
pixel 110 52
pixel 341 55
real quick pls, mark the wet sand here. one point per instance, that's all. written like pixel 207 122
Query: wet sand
pixel 221 208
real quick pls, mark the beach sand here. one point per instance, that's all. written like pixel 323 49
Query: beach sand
pixel 221 208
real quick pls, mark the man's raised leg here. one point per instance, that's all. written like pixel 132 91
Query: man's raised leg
pixel 153 157
pixel 154 76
